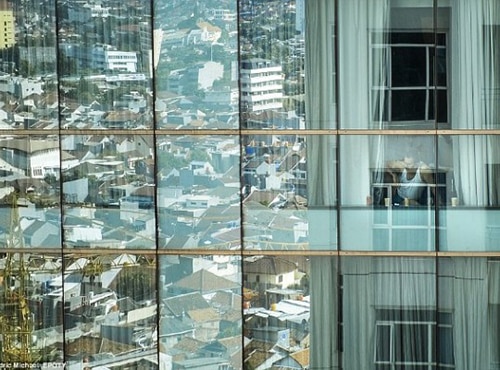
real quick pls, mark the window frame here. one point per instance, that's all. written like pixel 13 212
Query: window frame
pixel 440 41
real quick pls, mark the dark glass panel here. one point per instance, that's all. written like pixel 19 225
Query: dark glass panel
pixel 409 66
pixel 408 105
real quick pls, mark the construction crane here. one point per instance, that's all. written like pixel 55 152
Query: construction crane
pixel 16 320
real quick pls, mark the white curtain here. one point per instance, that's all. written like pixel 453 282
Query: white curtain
pixel 324 313
pixel 463 290
pixel 358 21
pixel 473 105
pixel 321 114
pixel 370 284
pixel 320 107
pixel 494 313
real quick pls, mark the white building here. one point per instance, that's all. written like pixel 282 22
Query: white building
pixel 107 59
pixel 261 85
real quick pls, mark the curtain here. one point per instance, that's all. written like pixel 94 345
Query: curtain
pixel 494 313
pixel 382 292
pixel 358 22
pixel 463 290
pixel 320 114
pixel 473 94
pixel 324 313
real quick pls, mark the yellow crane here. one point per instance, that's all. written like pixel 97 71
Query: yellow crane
pixel 16 320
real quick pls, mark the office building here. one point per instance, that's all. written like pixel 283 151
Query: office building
pixel 343 214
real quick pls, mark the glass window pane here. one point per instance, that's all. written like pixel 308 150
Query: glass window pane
pixel 30 193
pixel 409 105
pixel 383 343
pixel 389 191
pixel 292 312
pixel 199 192
pixel 394 54
pixel 201 319
pixel 388 300
pixel 468 289
pixel 438 65
pixel 196 65
pixel 470 220
pixel 28 65
pixel 105 68
pixel 409 66
pixel 109 193
pixel 110 309
pixel 275 64
pixel 289 199
pixel 31 309
pixel 411 343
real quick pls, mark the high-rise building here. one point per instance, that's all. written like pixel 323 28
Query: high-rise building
pixel 290 184
pixel 7 24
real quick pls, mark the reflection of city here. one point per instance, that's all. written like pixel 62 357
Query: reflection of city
pixel 200 311
pixel 274 174
pixel 276 312
pixel 108 189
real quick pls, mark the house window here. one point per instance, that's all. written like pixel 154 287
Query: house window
pixel 409 78
pixel 407 339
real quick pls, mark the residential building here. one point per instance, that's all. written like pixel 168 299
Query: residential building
pixel 261 85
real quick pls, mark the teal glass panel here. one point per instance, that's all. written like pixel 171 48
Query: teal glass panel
pixel 289 192
pixel 389 192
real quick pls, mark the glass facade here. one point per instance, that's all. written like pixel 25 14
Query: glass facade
pixel 249 184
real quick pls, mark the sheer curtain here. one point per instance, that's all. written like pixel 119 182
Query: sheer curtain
pixel 473 106
pixel 463 290
pixel 385 291
pixel 321 114
pixel 320 104
pixel 360 21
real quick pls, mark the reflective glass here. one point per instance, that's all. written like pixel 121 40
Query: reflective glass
pixel 31 309
pixel 196 64
pixel 110 310
pixel 472 29
pixel 281 58
pixel 30 192
pixel 105 58
pixel 468 292
pixel 200 324
pixel 199 192
pixel 108 191
pixel 389 315
pixel 470 221
pixel 284 304
pixel 389 191
pixel 28 65
pixel 387 80
pixel 289 199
